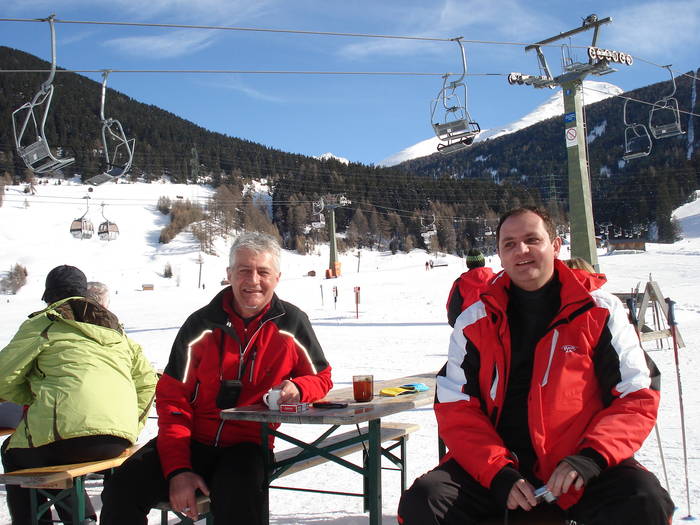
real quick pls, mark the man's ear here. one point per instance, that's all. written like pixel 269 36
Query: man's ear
pixel 557 246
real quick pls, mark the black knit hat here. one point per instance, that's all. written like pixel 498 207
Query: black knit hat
pixel 64 281
pixel 475 259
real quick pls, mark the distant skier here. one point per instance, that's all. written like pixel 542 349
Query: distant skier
pixel 467 287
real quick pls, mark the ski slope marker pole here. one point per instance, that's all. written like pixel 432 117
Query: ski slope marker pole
pixel 672 325
pixel 632 307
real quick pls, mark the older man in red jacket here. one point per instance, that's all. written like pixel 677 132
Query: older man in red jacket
pixel 546 385
pixel 228 353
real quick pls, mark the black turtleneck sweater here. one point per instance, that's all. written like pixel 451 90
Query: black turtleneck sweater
pixel 529 316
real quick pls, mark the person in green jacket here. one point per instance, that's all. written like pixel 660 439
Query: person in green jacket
pixel 88 388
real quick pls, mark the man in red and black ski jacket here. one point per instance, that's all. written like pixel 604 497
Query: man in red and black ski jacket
pixel 545 385
pixel 228 353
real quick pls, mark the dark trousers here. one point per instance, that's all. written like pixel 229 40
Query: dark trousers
pixel 66 451
pixel 234 475
pixel 626 494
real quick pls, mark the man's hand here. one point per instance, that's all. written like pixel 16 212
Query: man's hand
pixel 522 495
pixel 182 493
pixel 290 392
pixel 562 478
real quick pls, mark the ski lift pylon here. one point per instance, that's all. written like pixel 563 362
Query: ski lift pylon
pixel 119 162
pixel 637 139
pixel 449 115
pixel 82 228
pixel 107 231
pixel 664 116
pixel 35 151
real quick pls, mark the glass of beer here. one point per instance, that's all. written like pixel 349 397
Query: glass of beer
pixel 363 388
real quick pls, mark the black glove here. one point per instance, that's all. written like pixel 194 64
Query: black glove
pixel 588 464
pixel 502 483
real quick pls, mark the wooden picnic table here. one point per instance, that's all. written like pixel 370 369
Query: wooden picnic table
pixel 355 413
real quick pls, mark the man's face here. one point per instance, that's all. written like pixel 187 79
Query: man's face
pixel 526 251
pixel 253 279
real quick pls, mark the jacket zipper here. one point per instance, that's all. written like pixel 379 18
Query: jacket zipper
pixel 243 351
pixel 555 338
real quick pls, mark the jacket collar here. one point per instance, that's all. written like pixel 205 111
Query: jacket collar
pixel 221 306
pixel 576 287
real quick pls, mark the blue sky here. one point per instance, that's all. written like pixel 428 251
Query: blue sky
pixel 362 118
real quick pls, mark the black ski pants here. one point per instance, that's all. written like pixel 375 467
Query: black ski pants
pixel 626 494
pixel 234 475
pixel 63 452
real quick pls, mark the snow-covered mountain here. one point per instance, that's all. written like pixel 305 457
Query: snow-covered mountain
pixel 329 155
pixel 592 92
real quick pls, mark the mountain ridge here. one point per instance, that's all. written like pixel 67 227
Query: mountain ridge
pixel 594 91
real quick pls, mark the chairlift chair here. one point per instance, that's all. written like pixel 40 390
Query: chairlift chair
pixel 637 138
pixel 119 162
pixel 449 115
pixel 664 116
pixel 34 150
pixel 82 228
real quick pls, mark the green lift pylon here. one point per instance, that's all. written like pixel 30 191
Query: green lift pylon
pixel 571 81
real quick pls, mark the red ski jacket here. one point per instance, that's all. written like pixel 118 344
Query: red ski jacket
pixel 207 349
pixel 465 291
pixel 592 384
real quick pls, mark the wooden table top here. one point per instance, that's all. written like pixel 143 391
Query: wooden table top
pixel 355 412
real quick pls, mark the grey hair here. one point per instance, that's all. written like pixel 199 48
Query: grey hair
pixel 99 292
pixel 257 242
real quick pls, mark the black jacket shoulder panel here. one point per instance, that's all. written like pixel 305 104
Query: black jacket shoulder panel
pixel 294 321
pixel 206 318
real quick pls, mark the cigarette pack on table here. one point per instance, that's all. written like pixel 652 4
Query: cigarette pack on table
pixel 293 407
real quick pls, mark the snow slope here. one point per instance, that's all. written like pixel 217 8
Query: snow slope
pixel 401 327
pixel 593 91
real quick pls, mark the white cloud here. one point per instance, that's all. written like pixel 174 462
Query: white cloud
pixel 173 44
pixel 237 85
pixel 511 20
pixel 167 43
pixel 656 30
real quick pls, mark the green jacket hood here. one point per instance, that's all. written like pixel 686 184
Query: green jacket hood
pixel 86 316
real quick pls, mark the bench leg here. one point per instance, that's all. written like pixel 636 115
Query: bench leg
pixel 75 504
pixel 78 500
pixel 33 504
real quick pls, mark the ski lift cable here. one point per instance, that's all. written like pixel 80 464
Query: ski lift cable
pixel 288 31
pixel 297 31
pixel 632 99
pixel 662 66
pixel 254 72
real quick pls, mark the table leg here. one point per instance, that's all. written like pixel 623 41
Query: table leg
pixel 268 459
pixel 374 472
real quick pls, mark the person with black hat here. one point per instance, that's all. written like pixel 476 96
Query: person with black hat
pixel 467 287
pixel 87 387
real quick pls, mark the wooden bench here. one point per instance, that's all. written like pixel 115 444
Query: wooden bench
pixel 397 432
pixel 69 480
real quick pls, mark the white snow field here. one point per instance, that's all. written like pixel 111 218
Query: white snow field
pixel 401 328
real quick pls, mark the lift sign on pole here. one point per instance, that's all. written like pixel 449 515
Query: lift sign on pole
pixel 357 302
